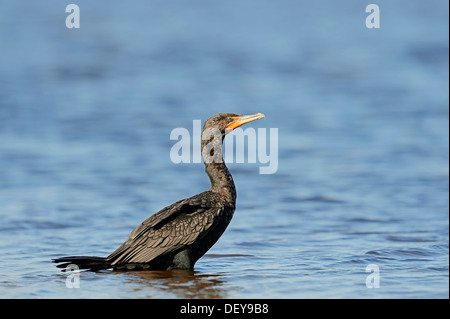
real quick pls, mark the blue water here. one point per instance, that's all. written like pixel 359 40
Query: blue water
pixel 363 145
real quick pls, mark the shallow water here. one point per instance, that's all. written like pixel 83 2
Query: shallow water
pixel 363 178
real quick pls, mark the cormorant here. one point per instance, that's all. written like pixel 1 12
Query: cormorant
pixel 178 235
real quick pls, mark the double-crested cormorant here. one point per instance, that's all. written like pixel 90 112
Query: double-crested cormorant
pixel 178 235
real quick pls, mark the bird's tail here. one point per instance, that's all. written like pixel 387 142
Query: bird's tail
pixel 83 262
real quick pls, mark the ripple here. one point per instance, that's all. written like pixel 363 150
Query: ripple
pixel 227 255
pixel 401 253
pixel 410 239
pixel 316 198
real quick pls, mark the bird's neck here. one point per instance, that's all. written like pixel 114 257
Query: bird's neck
pixel 221 179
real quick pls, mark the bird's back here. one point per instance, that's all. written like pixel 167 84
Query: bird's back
pixel 176 236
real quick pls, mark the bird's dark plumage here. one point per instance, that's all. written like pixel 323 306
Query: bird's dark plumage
pixel 179 234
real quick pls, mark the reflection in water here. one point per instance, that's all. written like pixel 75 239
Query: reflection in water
pixel 180 283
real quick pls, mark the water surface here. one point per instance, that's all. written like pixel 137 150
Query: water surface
pixel 363 178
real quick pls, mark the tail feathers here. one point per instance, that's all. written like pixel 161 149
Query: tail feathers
pixel 83 262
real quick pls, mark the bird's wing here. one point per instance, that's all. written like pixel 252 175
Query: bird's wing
pixel 172 228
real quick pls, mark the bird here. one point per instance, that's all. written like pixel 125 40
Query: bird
pixel 178 235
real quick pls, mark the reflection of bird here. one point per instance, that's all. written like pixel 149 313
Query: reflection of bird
pixel 180 284
pixel 178 235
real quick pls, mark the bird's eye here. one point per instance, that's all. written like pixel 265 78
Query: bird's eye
pixel 230 119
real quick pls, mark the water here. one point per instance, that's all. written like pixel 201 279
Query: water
pixel 363 177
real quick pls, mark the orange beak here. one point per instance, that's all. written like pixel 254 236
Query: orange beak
pixel 237 121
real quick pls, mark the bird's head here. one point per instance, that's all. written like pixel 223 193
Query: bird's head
pixel 227 122
pixel 215 129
